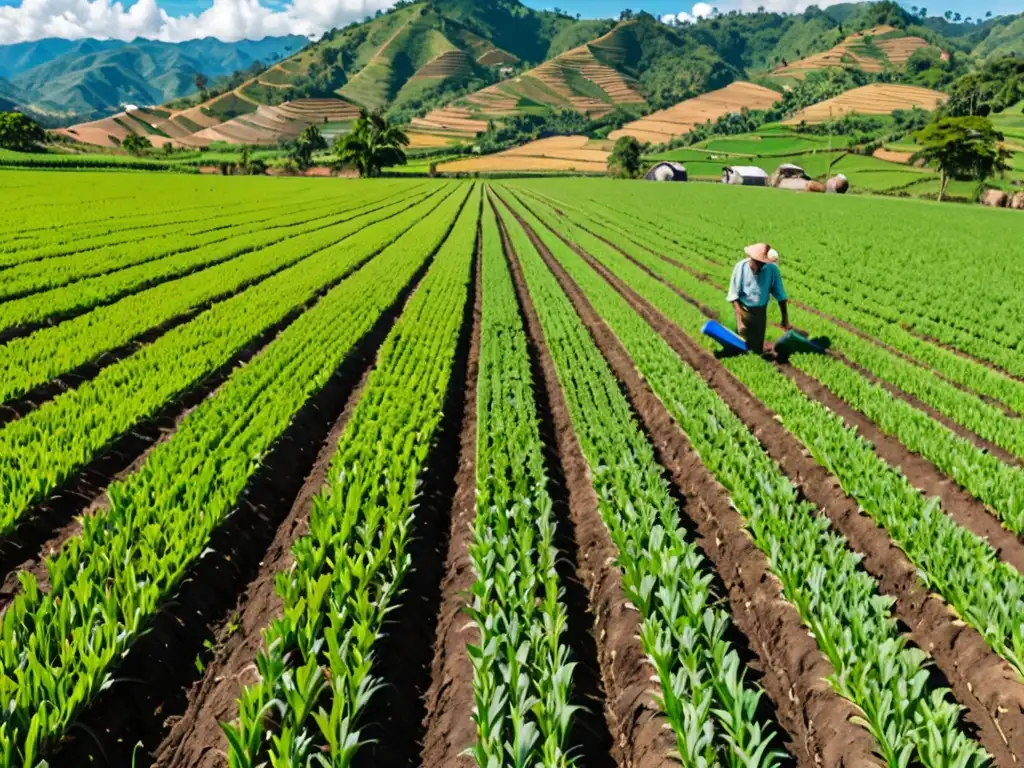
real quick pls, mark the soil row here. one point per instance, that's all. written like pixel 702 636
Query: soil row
pixel 982 682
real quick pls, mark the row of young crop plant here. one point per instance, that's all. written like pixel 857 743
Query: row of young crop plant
pixel 317 664
pixel 522 672
pixel 31 361
pixel 90 292
pixel 960 566
pixel 703 692
pixel 58 648
pixel 986 477
pixel 57 271
pixel 9 159
pixel 134 231
pixel 41 450
pixel 117 208
pixel 875 668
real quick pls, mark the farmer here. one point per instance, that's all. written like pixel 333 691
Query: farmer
pixel 754 281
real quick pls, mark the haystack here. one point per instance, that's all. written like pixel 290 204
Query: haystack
pixel 815 186
pixel 995 198
pixel 837 185
pixel 1017 202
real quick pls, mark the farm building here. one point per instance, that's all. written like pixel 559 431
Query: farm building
pixel 667 171
pixel 837 185
pixel 789 176
pixel 746 175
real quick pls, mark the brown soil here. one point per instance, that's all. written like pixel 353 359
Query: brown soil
pixel 794 669
pixel 159 670
pixel 641 736
pixel 982 682
pixel 448 727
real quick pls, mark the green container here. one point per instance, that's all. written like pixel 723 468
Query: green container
pixel 794 342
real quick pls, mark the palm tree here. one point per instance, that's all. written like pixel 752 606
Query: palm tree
pixel 373 144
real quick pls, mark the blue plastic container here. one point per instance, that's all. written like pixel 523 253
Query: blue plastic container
pixel 728 339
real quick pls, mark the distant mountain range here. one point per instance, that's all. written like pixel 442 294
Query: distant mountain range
pixel 74 80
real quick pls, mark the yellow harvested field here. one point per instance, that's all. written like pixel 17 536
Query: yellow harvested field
pixel 892 156
pixel 874 99
pixel 501 163
pixel 558 153
pixel 422 140
pixel 659 127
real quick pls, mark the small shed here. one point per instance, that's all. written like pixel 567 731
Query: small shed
pixel 667 171
pixel 746 175
pixel 787 172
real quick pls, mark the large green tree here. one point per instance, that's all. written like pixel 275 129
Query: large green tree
pixel 19 132
pixel 373 144
pixel 961 148
pixel 625 161
pixel 309 141
pixel 136 145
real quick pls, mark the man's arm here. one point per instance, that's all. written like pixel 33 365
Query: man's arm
pixel 733 297
pixel 738 311
pixel 779 292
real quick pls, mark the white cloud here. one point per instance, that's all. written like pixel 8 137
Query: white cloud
pixel 699 11
pixel 226 19
pixel 704 10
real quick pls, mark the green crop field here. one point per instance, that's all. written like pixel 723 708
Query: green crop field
pixel 310 472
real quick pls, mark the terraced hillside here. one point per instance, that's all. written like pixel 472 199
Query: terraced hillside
pixel 874 99
pixel 660 127
pixel 870 51
pixel 593 79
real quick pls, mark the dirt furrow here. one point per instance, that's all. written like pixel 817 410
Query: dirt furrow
pixel 194 738
pixel 641 736
pixel 157 673
pixel 980 680
pixel 794 671
pixel 448 725
pixel 396 718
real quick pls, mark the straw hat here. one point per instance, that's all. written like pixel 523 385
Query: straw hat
pixel 762 252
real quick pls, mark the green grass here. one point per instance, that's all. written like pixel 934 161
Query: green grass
pixel 152 130
pixel 276 76
pixel 579 85
pixel 228 107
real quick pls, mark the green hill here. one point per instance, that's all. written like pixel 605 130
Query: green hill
pixel 85 79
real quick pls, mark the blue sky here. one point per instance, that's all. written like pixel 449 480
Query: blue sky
pixel 609 8
pixel 174 20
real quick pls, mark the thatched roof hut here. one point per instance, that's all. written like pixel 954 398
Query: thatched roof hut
pixel 667 171
pixel 746 175
pixel 788 172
